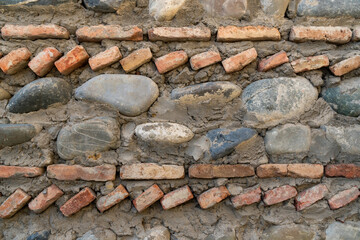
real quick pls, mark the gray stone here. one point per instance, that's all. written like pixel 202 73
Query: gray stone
pixel 33 2
pixel 320 114
pixel 275 8
pixel 4 94
pixel 198 147
pixel 329 8
pixel 348 137
pixel 94 135
pixel 40 94
pixel 343 231
pixel 293 232
pixel 272 101
pixel 130 94
pixel 103 5
pixel 13 134
pixel 165 10
pixel 39 236
pixel 226 8
pixel 158 233
pixel 252 151
pixel 322 149
pixel 98 234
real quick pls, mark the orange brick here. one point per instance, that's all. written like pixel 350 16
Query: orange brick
pixel 113 32
pixel 204 59
pixel 271 170
pixel 151 171
pixel 273 61
pixel 13 203
pixel 77 202
pixel 248 197
pixel 342 170
pixel 220 171
pixel 171 61
pixel 74 59
pixel 310 196
pixel 343 198
pixel 345 66
pixel 136 59
pixel 34 31
pixel 279 194
pixel 47 197
pixel 248 33
pixel 15 60
pixel 148 198
pixel 176 197
pixel 15 171
pixel 212 196
pixel 305 170
pixel 328 34
pixel 239 61
pixel 310 63
pixel 104 59
pixel 169 34
pixel 42 63
pixel 112 198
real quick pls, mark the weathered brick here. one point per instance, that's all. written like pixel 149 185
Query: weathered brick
pixel 220 171
pixel 47 197
pixel 356 34
pixel 112 198
pixel 204 59
pixel 328 34
pixel 280 194
pixel 113 32
pixel 34 31
pixel 305 170
pixel 248 33
pixel 273 61
pixel 151 171
pixel 64 172
pixel 136 59
pixel 74 59
pixel 42 63
pixel 212 196
pixel 148 198
pixel 310 196
pixel 248 197
pixel 13 203
pixel 343 198
pixel 342 170
pixel 15 60
pixel 310 63
pixel 239 61
pixel 345 66
pixel 271 170
pixel 77 202
pixel 171 61
pixel 169 34
pixel 15 171
pixel 105 58
pixel 176 197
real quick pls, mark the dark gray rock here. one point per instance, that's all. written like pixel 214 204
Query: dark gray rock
pixel 322 149
pixel 33 2
pixel 40 94
pixel 294 232
pixel 13 134
pixel 275 8
pixel 329 8
pixel 103 5
pixel 345 231
pixel 39 236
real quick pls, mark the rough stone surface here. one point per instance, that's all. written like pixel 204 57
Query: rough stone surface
pixel 348 230
pixel 103 5
pixel 44 235
pixel 158 233
pixel 4 94
pixel 220 171
pixel 151 171
pixel 275 8
pixel 329 8
pixel 226 8
pixel 347 137
pixel 294 232
pixel 165 10
pixel 322 149
pixel 101 173
pixel 13 134
pixel 176 197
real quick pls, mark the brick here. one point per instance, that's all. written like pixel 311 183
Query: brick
pixel 47 197
pixel 113 32
pixel 33 32
pixel 105 58
pixel 204 59
pixel 280 194
pixel 239 61
pixel 176 197
pixel 212 196
pixel 148 198
pixel 151 171
pixel 249 197
pixel 343 198
pixel 13 203
pixel 136 59
pixel 345 66
pixel 220 171
pixel 342 170
pixel 42 63
pixel 273 61
pixel 112 198
pixel 310 196
pixel 305 170
pixel 77 202
pixel 64 172
pixel 271 170
pixel 74 59
pixel 171 61
pixel 169 34
pixel 248 33
pixel 329 34
pixel 15 61
pixel 15 171
pixel 310 63
pixel 356 34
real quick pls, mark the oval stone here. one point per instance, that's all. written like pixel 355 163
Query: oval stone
pixel 272 101
pixel 329 8
pixel 164 132
pixel 13 134
pixel 40 94
pixel 130 94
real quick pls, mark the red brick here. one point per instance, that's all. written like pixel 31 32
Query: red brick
pixel 271 170
pixel 305 170
pixel 239 61
pixel 148 198
pixel 328 34
pixel 212 196
pixel 113 32
pixel 249 196
pixel 343 198
pixel 345 66
pixel 310 196
pixel 13 203
pixel 343 170
pixel 104 59
pixel 14 171
pixel 356 34
pixel 100 173
pixel 47 197
pixel 74 59
pixel 15 60
pixel 151 171
pixel 171 61
pixel 310 63
pixel 280 194
pixel 34 31
pixel 42 63
pixel 176 197
pixel 112 198
pixel 77 202
pixel 248 33
pixel 136 59
pixel 204 59
pixel 220 171
pixel 169 34
pixel 273 61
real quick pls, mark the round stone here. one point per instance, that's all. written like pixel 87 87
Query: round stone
pixel 13 134
pixel 4 94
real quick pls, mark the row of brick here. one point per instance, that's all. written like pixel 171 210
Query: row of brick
pixel 152 171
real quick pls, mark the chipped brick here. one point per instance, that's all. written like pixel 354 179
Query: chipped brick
pixel 271 170
pixel 42 63
pixel 171 61
pixel 329 34
pixel 74 59
pixel 220 171
pixel 248 33
pixel 15 61
pixel 113 32
pixel 148 198
pixel 239 61
pixel 77 202
pixel 280 194
pixel 176 197
pixel 248 197
pixel 33 32
pixel 169 34
pixel 356 34
pixel 342 170
pixel 13 203
pixel 273 61
pixel 212 196
pixel 343 198
pixel 345 66
pixel 105 58
pixel 112 198
pixel 151 171
pixel 47 197
pixel 310 63
pixel 204 59
pixel 305 170
pixel 136 59
pixel 310 196
pixel 15 171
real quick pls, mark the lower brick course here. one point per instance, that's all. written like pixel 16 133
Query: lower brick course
pixel 212 196
pixel 77 202
pixel 14 203
pixel 148 198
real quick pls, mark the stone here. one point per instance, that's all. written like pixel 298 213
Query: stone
pixel 130 94
pixel 14 134
pixel 338 35
pixel 14 203
pixel 113 198
pixel 310 63
pixel 47 197
pixel 348 137
pixel 271 170
pixel 112 32
pixel 165 10
pixel 104 6
pixel 15 171
pixel 176 197
pixel 148 198
pixel 345 66
pixel 322 149
pixel 105 58
pixel 294 232
pixel 204 59
pixel 225 8
pixel 136 59
pixel 42 63
pixel 4 94
pixel 273 61
pixel 151 171
pixel 329 8
pixel 275 8
pixel 310 196
pixel 88 137
pixel 248 33
pixel 15 61
pixel 320 114
pixel 248 197
pixel 343 198
pixel 33 32
pixel 347 231
pixel 17 3
pixel 279 194
pixel 170 34
pixel 342 170
pixel 44 235
pixel 212 196
pixel 97 234
pixel 101 173
pixel 272 101
pixel 72 60
pixel 220 171
pixel 305 170
pixel 239 61
pixel 158 233
pixel 77 202
pixel 171 61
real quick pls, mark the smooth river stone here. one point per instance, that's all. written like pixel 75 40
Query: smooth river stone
pixel 33 2
pixel 13 134
pixel 329 8
pixel 130 94
pixel 103 5
pixel 165 10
